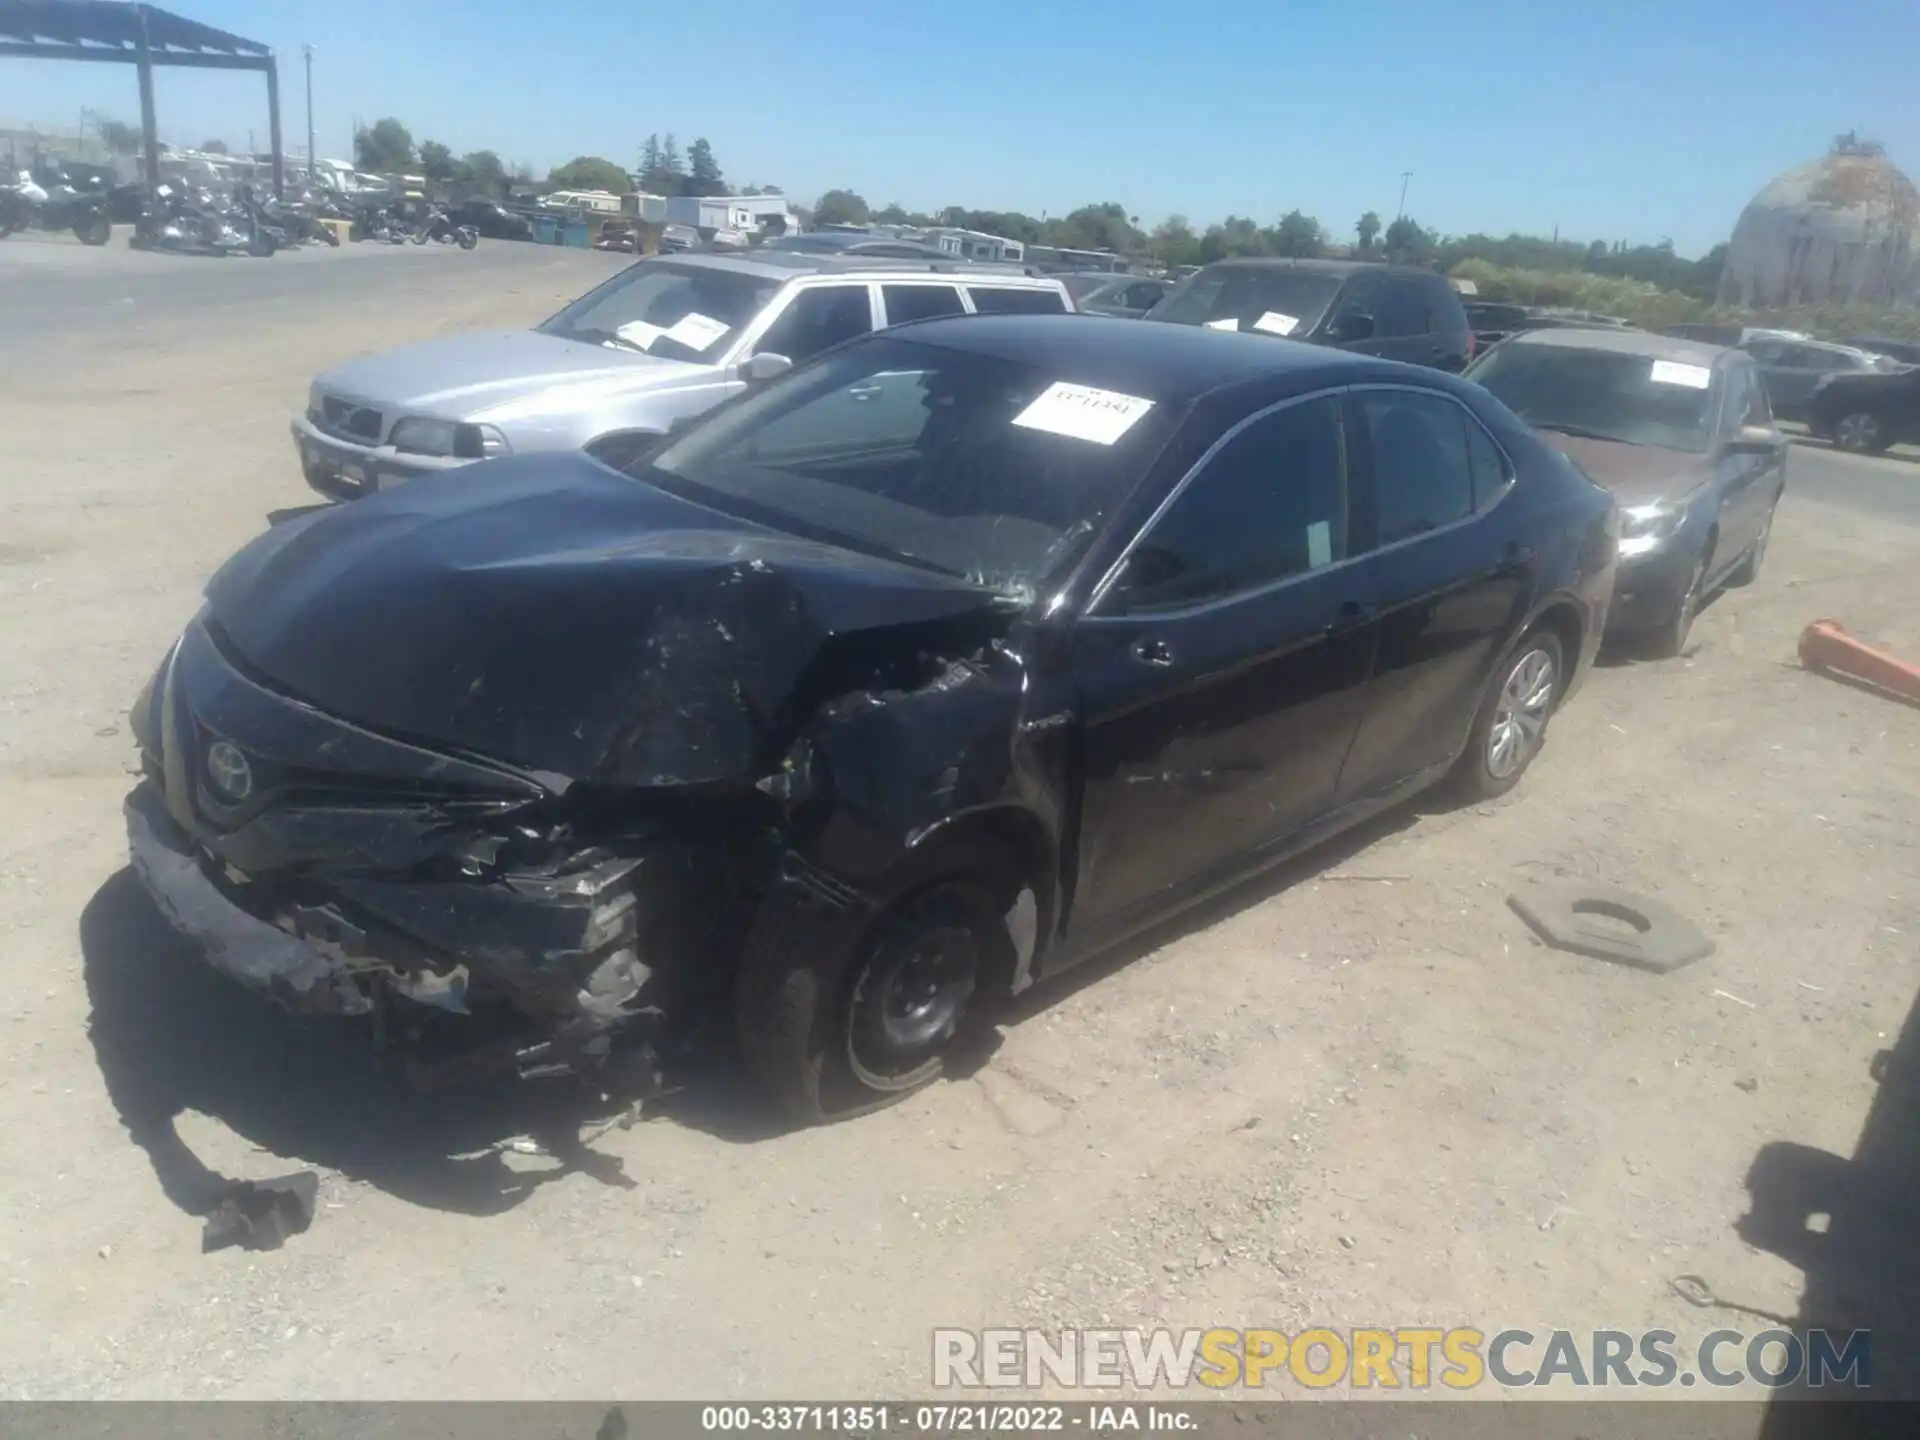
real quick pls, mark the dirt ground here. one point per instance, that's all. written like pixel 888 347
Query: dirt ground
pixel 1355 1094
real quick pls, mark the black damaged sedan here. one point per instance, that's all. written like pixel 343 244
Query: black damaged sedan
pixel 911 678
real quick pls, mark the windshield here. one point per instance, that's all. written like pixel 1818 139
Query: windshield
pixel 1603 394
pixel 676 311
pixel 1246 293
pixel 948 460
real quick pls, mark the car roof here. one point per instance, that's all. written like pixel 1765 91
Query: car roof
pixel 787 264
pixel 1338 269
pixel 1170 363
pixel 1643 344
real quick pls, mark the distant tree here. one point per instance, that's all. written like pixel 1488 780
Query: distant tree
pixel 436 161
pixel 1174 242
pixel 482 172
pixel 1107 226
pixel 703 171
pixel 656 176
pixel 1298 236
pixel 892 213
pixel 1407 242
pixel 589 172
pixel 385 148
pixel 213 147
pixel 1234 236
pixel 840 207
pixel 120 138
pixel 650 156
pixel 1367 230
pixel 670 158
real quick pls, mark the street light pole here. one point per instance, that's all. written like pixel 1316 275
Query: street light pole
pixel 1405 177
pixel 313 173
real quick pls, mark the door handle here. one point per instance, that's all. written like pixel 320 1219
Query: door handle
pixel 1151 650
pixel 1353 612
pixel 863 392
pixel 1518 553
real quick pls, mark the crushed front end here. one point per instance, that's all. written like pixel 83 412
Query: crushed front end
pixel 491 920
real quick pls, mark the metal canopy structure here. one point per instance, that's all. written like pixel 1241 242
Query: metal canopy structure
pixel 139 35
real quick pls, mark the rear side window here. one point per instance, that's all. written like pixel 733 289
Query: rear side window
pixel 990 301
pixel 817 319
pixel 1445 314
pixel 1401 310
pixel 1488 464
pixel 1270 505
pixel 920 302
pixel 1423 474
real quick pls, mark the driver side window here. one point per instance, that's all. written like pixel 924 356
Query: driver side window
pixel 1271 504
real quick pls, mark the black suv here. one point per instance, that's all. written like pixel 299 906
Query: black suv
pixel 1391 311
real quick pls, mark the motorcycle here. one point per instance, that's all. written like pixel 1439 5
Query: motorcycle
pixel 439 226
pixel 198 224
pixel 26 205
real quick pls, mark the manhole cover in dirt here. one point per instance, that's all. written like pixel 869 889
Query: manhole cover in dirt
pixel 1609 924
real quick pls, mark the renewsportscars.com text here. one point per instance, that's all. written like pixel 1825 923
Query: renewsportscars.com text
pixel 1404 1358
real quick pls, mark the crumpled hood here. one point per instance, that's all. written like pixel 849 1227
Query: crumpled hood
pixel 482 375
pixel 551 613
pixel 1635 474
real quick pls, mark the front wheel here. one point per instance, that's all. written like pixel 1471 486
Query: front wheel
pixel 468 239
pixel 1670 638
pixel 1511 725
pixel 829 1036
pixel 1862 433
pixel 94 229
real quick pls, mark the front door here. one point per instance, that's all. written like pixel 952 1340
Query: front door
pixel 1221 673
pixel 1450 570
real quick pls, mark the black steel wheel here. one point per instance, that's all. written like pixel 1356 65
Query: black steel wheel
pixel 829 1036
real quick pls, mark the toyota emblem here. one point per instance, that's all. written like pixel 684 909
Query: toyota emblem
pixel 227 768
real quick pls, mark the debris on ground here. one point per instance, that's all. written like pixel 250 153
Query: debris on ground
pixel 1609 924
pixel 261 1214
pixel 1825 646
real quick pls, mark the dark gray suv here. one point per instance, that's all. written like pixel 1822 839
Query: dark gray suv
pixel 1395 312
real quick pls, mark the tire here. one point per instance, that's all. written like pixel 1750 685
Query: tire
pixel 419 237
pixel 260 243
pixel 95 229
pixel 830 1036
pixel 1667 640
pixel 468 239
pixel 331 236
pixel 1748 570
pixel 1861 432
pixel 1511 726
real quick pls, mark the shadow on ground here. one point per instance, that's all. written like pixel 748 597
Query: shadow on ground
pixel 171 1035
pixel 1852 1227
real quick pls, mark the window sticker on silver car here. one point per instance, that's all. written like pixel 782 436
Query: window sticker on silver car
pixel 697 331
pixel 1672 372
pixel 1083 412
pixel 637 332
pixel 1274 323
pixel 1230 323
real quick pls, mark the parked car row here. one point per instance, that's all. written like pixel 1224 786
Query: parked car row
pixel 830 644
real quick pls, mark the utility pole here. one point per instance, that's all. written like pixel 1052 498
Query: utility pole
pixel 313 174
pixel 1405 177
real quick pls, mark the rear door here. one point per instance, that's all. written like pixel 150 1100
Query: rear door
pixel 1449 564
pixel 1743 479
pixel 1222 669
pixel 903 302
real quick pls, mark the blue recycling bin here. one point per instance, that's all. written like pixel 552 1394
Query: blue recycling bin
pixel 546 230
pixel 575 236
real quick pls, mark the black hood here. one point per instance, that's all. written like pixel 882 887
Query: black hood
pixel 551 613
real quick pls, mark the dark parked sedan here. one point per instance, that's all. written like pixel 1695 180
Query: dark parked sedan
pixel 492 220
pixel 1681 433
pixel 1126 297
pixel 915 676
pixel 1864 411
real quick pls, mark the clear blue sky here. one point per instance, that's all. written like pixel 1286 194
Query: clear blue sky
pixel 1616 118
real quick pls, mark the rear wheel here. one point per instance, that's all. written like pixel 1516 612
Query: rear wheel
pixel 829 1036
pixel 94 229
pixel 1861 432
pixel 1512 723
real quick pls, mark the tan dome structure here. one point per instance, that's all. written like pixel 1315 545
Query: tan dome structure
pixel 1842 230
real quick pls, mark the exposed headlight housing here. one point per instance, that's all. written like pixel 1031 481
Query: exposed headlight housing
pixel 418 435
pixel 1644 528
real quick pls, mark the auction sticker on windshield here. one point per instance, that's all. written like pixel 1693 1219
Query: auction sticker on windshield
pixel 1274 323
pixel 639 332
pixel 1083 412
pixel 697 331
pixel 1672 372
pixel 1230 323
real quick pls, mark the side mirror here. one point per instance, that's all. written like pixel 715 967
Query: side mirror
pixel 1755 440
pixel 764 367
pixel 1350 328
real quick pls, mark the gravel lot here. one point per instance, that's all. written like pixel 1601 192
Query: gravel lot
pixel 1356 1094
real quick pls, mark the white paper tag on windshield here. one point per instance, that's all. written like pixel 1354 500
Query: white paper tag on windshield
pixel 639 332
pixel 1274 323
pixel 1083 412
pixel 1319 544
pixel 1227 324
pixel 697 331
pixel 1672 372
